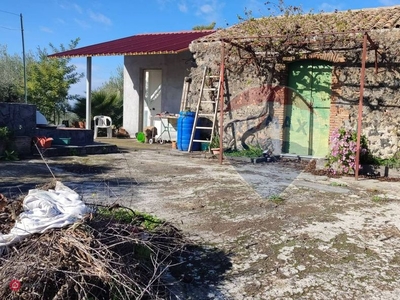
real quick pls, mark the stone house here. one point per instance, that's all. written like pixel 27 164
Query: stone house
pixel 291 100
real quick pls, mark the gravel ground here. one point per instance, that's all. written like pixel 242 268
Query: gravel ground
pixel 264 231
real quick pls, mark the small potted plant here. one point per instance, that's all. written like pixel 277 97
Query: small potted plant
pixel 214 145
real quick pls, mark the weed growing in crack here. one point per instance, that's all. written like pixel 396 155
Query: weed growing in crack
pixel 337 184
pixel 276 199
pixel 379 198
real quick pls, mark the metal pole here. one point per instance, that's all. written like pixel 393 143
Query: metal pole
pixel 360 104
pixel 221 104
pixel 88 92
pixel 23 59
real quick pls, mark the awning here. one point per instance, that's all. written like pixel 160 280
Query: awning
pixel 141 44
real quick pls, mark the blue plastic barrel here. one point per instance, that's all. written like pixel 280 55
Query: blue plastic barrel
pixel 185 126
pixel 179 133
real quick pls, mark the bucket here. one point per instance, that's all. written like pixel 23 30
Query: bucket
pixel 141 137
pixel 185 126
pixel 205 146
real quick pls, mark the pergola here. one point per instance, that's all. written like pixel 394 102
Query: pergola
pixel 336 41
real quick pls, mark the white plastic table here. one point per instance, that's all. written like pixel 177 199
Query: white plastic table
pixel 166 127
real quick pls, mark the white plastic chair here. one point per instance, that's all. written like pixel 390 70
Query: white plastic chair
pixel 102 122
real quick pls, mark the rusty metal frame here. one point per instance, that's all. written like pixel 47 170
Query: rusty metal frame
pixel 360 104
pixel 366 38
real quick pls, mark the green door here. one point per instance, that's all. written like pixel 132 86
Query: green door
pixel 306 125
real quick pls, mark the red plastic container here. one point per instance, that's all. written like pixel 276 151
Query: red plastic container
pixel 42 141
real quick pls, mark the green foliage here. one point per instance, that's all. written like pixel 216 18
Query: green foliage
pixel 214 142
pixel 379 198
pixel 11 77
pixel 337 184
pixel 277 199
pixel 205 27
pixel 5 141
pixel 126 215
pixel 252 151
pixel 4 133
pixel 115 84
pixel 6 137
pixel 392 162
pixel 50 80
pixel 10 155
pixel 103 103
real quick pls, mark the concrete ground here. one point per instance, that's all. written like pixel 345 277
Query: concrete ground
pixel 264 231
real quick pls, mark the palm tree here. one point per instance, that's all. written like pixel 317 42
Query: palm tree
pixel 103 103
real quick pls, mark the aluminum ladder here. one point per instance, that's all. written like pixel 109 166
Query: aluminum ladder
pixel 207 85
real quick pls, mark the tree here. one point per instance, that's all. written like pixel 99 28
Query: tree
pixel 115 84
pixel 103 103
pixel 49 80
pixel 11 77
pixel 205 27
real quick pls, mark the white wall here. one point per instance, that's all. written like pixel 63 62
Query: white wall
pixel 174 69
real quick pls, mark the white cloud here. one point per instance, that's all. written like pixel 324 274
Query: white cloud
pixel 82 23
pixel 100 18
pixel 66 5
pixel 77 8
pixel 163 3
pixel 207 9
pixel 46 29
pixel 183 7
pixel 61 21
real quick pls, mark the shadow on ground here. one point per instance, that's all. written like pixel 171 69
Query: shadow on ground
pixel 199 272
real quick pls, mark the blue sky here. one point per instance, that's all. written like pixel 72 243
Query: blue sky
pixel 95 21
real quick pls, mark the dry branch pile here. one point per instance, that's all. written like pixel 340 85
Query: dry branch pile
pixel 100 257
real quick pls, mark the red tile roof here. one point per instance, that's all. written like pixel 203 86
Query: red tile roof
pixel 141 44
pixel 361 20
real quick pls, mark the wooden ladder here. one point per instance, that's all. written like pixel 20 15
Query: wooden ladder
pixel 186 85
pixel 207 84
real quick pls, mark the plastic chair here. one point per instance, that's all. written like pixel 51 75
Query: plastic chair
pixel 102 122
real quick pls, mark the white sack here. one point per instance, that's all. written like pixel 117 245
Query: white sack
pixel 44 210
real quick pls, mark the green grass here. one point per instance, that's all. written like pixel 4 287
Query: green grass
pixel 337 184
pixel 276 199
pixel 251 152
pixel 379 199
pixel 126 215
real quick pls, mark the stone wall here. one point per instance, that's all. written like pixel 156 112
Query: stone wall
pixel 381 102
pixel 19 118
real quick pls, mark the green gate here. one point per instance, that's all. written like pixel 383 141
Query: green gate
pixel 306 123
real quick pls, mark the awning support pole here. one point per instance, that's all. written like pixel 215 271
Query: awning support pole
pixel 88 92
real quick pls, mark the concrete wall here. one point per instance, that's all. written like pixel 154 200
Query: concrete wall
pixel 174 68
pixel 19 118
